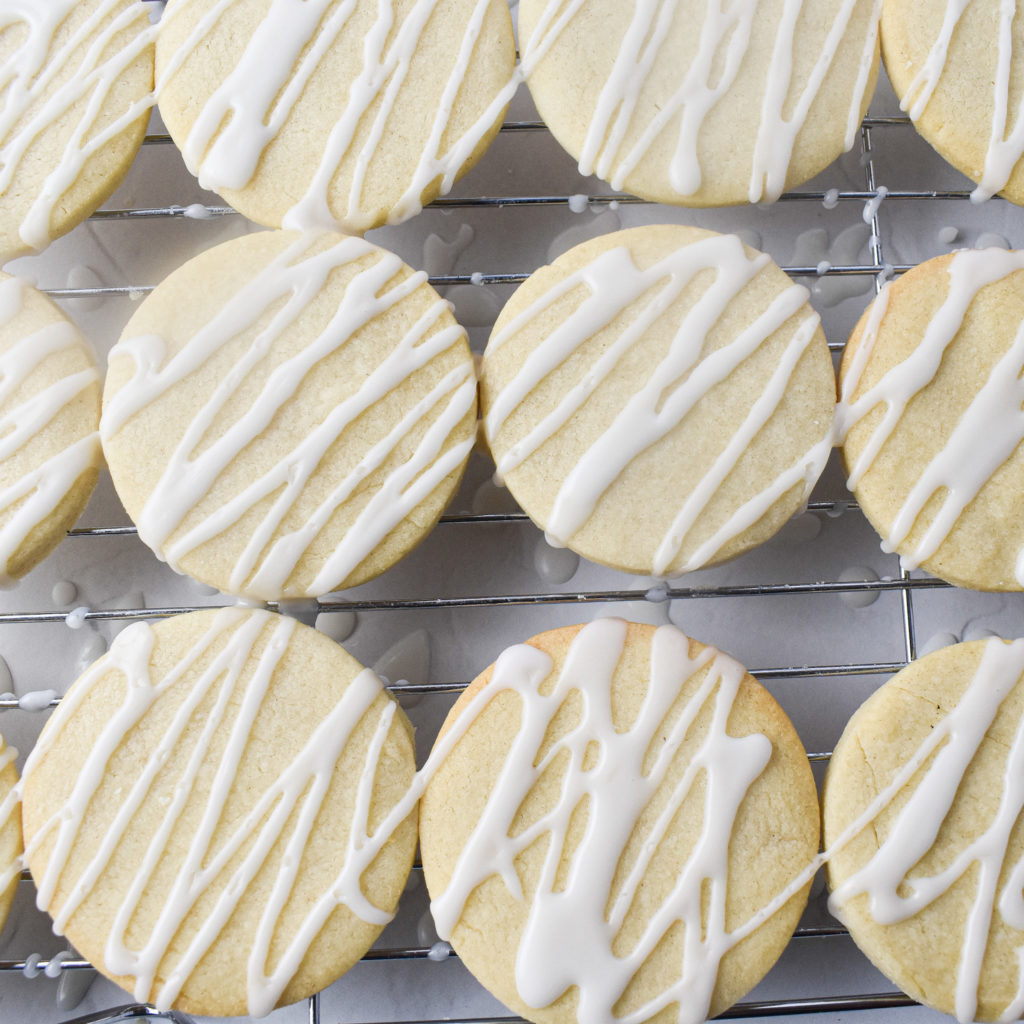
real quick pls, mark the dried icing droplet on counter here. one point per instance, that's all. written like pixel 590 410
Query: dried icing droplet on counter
pixel 333 114
pixel 697 103
pixel 620 804
pixel 554 565
pixel 209 811
pixel 659 399
pixel 307 413
pixel 858 598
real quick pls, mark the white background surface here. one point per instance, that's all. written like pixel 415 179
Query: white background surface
pixel 772 632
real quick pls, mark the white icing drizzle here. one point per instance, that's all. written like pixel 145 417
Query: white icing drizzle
pixel 258 96
pixel 29 73
pixel 297 275
pixel 567 941
pixel 298 791
pixel 1006 140
pixel 25 502
pixel 568 937
pixel 682 378
pixel 895 893
pixel 725 35
pixel 988 432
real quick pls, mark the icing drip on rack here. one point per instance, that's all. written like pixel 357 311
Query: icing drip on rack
pixel 571 927
pixel 726 31
pixel 27 501
pixel 283 812
pixel 1006 137
pixel 614 283
pixel 272 553
pixel 33 102
pixel 260 93
pixel 989 431
pixel 888 879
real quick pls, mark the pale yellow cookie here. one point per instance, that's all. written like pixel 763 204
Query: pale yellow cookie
pixel 619 820
pixel 218 814
pixel 305 406
pixel 698 104
pixel 49 413
pixel 930 417
pixel 659 399
pixel 922 828
pixel 335 114
pixel 958 69
pixel 10 830
pixel 75 94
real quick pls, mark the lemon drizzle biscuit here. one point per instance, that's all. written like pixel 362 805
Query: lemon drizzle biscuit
pixel 200 846
pixel 617 824
pixel 76 86
pixel 332 114
pixel 49 414
pixel 699 103
pixel 930 417
pixel 10 829
pixel 922 806
pixel 306 405
pixel 957 67
pixel 659 399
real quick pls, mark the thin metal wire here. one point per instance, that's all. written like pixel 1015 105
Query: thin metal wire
pixel 886 271
pixel 510 600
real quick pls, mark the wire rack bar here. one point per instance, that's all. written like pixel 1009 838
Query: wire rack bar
pixel 512 600
pixel 834 507
pixel 553 199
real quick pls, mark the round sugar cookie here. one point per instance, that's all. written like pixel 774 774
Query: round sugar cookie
pixel 336 114
pixel 617 820
pixel 10 830
pixel 930 417
pixel 218 815
pixel 922 825
pixel 75 97
pixel 306 405
pixel 50 454
pixel 958 69
pixel 659 399
pixel 682 103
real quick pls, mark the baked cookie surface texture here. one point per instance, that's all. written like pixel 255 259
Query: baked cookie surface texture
pixel 620 825
pixel 76 87
pixel 50 454
pixel 930 417
pixel 10 829
pixel 659 399
pixel 922 813
pixel 216 815
pixel 957 67
pixel 306 405
pixel 698 103
pixel 333 114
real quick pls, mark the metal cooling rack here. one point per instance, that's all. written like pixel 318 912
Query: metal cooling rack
pixel 879 135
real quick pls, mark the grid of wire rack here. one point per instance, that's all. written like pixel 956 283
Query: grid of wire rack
pixel 888 148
